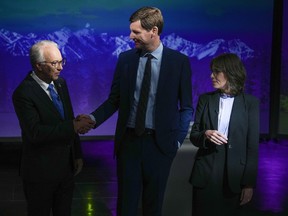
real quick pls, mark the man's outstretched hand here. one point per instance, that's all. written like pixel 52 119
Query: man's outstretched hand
pixel 83 123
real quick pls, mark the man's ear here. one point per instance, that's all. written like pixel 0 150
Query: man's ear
pixel 39 68
pixel 155 30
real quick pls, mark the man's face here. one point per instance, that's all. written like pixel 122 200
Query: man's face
pixel 50 69
pixel 142 38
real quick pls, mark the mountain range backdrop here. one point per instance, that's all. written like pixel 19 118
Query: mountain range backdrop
pixel 91 39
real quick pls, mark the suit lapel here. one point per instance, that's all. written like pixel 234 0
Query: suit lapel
pixel 42 95
pixel 214 109
pixel 162 73
pixel 62 96
pixel 132 70
pixel 237 113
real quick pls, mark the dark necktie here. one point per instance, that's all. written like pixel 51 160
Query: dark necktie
pixel 56 100
pixel 143 98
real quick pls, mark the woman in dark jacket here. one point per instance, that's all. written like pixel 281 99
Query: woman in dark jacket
pixel 226 131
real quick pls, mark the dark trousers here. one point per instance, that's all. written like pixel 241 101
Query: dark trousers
pixel 44 197
pixel 216 198
pixel 141 169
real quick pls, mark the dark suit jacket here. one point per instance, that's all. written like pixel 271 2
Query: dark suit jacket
pixel 49 142
pixel 243 140
pixel 173 98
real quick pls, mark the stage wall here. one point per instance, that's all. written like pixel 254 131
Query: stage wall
pixel 91 34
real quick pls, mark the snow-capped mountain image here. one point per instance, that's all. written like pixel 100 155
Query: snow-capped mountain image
pixel 83 43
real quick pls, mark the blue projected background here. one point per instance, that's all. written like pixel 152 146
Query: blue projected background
pixel 91 34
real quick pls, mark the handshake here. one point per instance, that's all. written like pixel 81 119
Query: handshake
pixel 83 123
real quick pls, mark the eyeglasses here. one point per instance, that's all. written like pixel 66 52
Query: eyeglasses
pixel 216 72
pixel 55 64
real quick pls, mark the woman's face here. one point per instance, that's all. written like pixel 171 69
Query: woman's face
pixel 219 81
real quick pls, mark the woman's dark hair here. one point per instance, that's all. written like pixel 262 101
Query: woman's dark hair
pixel 233 69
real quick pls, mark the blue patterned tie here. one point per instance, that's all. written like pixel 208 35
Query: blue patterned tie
pixel 143 98
pixel 56 100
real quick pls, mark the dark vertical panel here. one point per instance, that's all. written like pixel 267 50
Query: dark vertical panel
pixel 275 68
pixel 283 109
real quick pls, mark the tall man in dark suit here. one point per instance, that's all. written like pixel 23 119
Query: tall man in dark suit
pixel 145 152
pixel 51 153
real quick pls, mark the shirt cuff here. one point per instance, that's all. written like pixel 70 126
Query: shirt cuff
pixel 92 117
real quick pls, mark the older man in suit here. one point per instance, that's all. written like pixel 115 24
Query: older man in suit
pixel 51 153
pixel 153 116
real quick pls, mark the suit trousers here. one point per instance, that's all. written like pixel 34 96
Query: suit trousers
pixel 44 197
pixel 216 198
pixel 141 169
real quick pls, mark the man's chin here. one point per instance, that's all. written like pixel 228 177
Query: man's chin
pixel 138 45
pixel 55 77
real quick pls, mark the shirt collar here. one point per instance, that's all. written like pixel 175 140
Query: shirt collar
pixel 43 84
pixel 156 53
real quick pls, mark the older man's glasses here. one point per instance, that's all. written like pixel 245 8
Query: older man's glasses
pixel 55 64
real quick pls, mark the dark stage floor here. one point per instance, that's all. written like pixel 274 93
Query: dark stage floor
pixel 95 193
